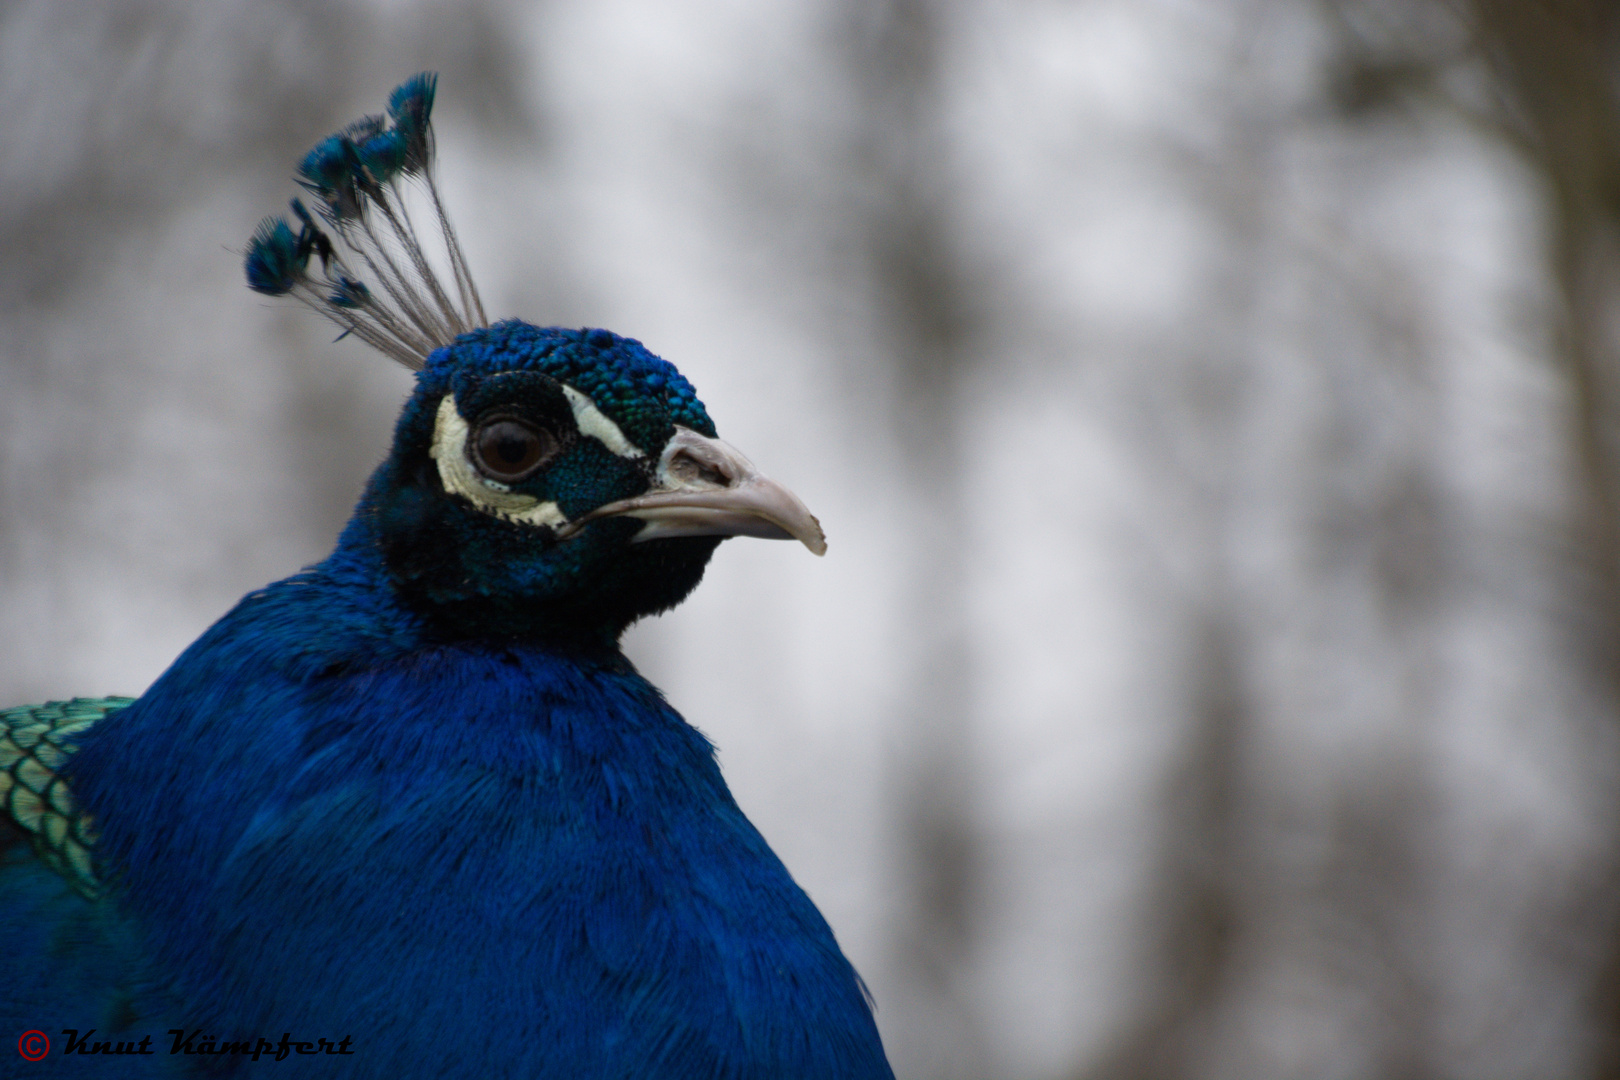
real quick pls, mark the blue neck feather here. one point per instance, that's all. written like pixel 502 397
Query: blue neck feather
pixel 525 842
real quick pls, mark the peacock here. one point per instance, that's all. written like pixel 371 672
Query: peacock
pixel 411 812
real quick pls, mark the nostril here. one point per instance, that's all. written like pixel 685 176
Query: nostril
pixel 687 469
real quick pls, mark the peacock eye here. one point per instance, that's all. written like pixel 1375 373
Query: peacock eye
pixel 508 449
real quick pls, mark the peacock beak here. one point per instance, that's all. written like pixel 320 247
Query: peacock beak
pixel 705 487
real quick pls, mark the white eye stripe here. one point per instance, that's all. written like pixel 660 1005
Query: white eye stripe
pixel 591 421
pixel 456 473
pixel 459 476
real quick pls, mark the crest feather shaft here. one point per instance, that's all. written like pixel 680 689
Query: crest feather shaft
pixel 375 278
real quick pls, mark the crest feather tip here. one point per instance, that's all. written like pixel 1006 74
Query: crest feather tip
pixel 377 281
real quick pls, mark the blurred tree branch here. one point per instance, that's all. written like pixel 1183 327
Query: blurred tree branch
pixel 1553 70
pixel 928 323
pixel 1554 66
pixel 1555 63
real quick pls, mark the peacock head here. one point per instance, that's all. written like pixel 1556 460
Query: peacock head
pixel 542 480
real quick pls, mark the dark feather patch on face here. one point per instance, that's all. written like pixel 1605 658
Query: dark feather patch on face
pixel 469 564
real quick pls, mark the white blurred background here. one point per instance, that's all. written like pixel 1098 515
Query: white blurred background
pixel 1213 673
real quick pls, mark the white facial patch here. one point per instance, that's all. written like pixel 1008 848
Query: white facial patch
pixel 459 477
pixel 591 421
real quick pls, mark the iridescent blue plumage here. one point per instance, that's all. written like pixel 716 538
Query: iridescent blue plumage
pixel 356 177
pixel 275 260
pixel 331 171
pixel 410 105
pixel 415 795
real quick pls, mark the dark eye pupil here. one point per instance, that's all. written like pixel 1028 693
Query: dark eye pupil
pixel 512 449
pixel 509 450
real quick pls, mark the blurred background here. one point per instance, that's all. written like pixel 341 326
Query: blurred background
pixel 1211 404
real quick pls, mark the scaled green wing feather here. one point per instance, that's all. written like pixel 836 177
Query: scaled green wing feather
pixel 35 741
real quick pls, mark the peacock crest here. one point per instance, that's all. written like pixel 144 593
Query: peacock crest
pixel 376 278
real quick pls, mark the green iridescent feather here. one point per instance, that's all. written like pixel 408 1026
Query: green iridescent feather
pixel 35 741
